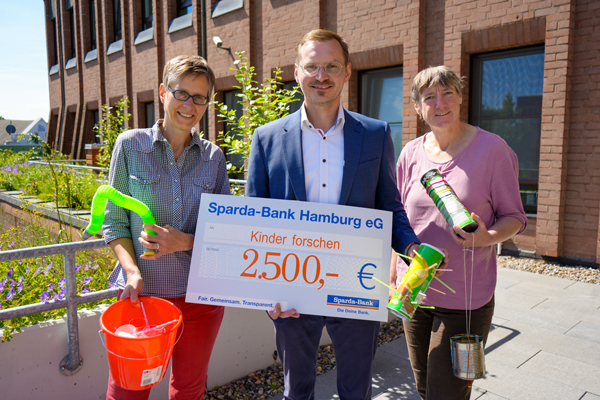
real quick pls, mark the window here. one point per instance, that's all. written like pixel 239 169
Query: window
pixel 54 53
pixel 184 7
pixel 294 106
pixel 117 20
pixel 146 14
pixel 506 99
pixel 71 11
pixel 92 5
pixel 381 98
pixel 96 119
pixel 232 101
pixel 149 111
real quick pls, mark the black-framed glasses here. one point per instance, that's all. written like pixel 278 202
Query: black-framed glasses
pixel 181 95
pixel 332 68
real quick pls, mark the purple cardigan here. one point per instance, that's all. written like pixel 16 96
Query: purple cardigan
pixel 484 176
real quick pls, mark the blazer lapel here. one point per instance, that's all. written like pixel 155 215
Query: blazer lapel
pixel 353 138
pixel 291 142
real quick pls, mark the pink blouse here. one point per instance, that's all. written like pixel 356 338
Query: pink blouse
pixel 484 176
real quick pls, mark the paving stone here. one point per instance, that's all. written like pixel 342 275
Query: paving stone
pixel 397 348
pixel 538 338
pixel 565 307
pixel 519 384
pixel 586 330
pixel 393 373
pixel 479 394
pixel 590 396
pixel 566 370
pixel 503 347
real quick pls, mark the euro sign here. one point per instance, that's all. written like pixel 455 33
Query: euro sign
pixel 366 275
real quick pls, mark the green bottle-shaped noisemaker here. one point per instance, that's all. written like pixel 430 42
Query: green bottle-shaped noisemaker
pixel 447 202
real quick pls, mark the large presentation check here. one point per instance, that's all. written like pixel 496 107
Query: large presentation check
pixel 317 258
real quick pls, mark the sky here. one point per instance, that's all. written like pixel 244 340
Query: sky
pixel 24 93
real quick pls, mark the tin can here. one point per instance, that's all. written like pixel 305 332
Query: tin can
pixel 447 202
pixel 416 280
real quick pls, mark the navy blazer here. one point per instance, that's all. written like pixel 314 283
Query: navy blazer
pixel 276 168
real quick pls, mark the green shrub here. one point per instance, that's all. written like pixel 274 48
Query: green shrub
pixel 262 103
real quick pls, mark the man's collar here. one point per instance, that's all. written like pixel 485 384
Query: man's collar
pixel 305 123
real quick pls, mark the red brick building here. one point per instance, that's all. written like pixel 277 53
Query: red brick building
pixel 532 71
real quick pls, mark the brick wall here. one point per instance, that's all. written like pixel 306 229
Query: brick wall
pixel 383 33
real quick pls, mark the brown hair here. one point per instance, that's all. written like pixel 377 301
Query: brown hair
pixel 432 76
pixel 182 66
pixel 319 36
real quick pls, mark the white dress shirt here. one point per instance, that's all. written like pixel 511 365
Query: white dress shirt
pixel 323 156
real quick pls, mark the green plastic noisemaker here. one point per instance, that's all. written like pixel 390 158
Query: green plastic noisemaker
pixel 105 193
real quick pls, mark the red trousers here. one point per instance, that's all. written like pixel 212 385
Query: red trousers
pixel 191 354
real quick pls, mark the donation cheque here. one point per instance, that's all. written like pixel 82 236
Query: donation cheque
pixel 317 258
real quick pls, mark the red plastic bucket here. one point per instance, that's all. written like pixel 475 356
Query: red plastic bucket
pixel 139 363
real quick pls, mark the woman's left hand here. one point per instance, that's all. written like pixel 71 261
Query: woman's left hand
pixel 167 240
pixel 481 237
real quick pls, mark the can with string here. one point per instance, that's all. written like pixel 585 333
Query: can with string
pixel 467 349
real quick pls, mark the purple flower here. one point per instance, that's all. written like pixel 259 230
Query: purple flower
pixel 95 266
pixel 87 280
pixel 10 272
pixel 77 267
pixel 44 297
pixel 10 294
pixel 87 266
pixel 27 270
pixel 20 285
pixel 112 285
pixel 61 294
pixel 85 290
pixel 48 268
pixel 37 271
pixel 50 287
pixel 61 283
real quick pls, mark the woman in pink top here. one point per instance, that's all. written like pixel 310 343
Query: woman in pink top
pixel 483 171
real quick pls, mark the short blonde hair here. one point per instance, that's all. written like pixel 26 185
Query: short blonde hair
pixel 432 76
pixel 319 36
pixel 180 67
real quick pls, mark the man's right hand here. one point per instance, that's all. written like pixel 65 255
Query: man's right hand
pixel 277 313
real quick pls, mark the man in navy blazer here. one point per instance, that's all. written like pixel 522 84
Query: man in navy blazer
pixel 327 154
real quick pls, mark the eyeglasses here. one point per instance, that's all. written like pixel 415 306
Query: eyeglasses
pixel 332 68
pixel 183 96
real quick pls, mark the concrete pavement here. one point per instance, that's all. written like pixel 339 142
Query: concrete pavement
pixel 544 344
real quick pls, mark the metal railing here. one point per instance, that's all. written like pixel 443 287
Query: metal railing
pixel 72 362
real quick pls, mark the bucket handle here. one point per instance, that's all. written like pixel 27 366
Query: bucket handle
pixel 140 359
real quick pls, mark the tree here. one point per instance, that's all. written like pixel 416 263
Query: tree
pixel 262 103
pixel 109 127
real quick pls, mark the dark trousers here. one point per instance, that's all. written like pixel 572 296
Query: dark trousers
pixel 428 338
pixel 354 341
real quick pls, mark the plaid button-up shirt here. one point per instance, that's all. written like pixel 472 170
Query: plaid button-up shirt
pixel 143 166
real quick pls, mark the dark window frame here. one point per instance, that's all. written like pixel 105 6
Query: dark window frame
pixel 365 99
pixel 147 15
pixel 149 114
pixel 294 106
pixel 93 37
pixel 71 12
pixel 117 20
pixel 184 7
pixel 528 187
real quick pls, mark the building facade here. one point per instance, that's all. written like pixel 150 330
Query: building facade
pixel 531 68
